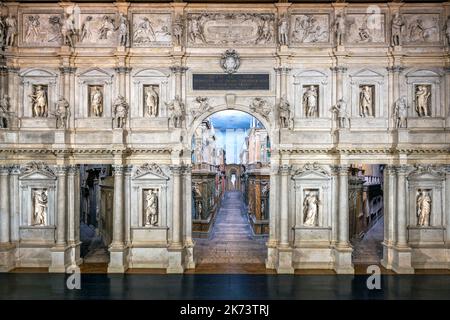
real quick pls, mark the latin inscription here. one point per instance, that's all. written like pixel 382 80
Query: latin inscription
pixel 231 81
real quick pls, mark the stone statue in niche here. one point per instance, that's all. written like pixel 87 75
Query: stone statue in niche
pixel 176 111
pixel 96 101
pixel 144 31
pixel 423 100
pixel 310 29
pixel 284 110
pixel 230 61
pixel 61 113
pixel 423 203
pixel 310 99
pixel 107 28
pixel 340 29
pixel 120 108
pixel 366 101
pixel 151 100
pixel 151 208
pixel 32 26
pixel 4 112
pixel 11 30
pixel 341 113
pixel 40 207
pixel 177 30
pixel 283 31
pixel 39 101
pixel 311 209
pixel 86 29
pixel 401 113
pixel 261 106
pixel 123 30
pixel 397 26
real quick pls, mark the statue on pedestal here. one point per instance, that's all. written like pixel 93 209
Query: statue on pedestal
pixel 340 29
pixel 123 30
pixel 283 31
pixel 397 28
pixel 97 101
pixel 310 209
pixel 40 205
pixel 11 30
pixel 4 112
pixel 341 113
pixel 401 113
pixel 120 108
pixel 284 113
pixel 310 102
pixel 422 99
pixel 39 102
pixel 365 102
pixel 176 111
pixel 151 101
pixel 177 30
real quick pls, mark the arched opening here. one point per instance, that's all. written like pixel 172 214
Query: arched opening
pixel 230 188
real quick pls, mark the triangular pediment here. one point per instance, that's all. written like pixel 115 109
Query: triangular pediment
pixel 311 175
pixel 95 73
pixel 37 175
pixel 367 73
pixel 426 176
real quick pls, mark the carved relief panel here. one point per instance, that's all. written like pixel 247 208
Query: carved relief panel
pixel 421 28
pixel 151 29
pixel 98 29
pixel 365 28
pixel 37 192
pixel 41 29
pixel 226 29
pixel 310 28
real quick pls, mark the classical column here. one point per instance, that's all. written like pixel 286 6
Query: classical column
pixel 401 207
pixel 13 84
pixel 335 205
pixel 340 71
pixel 178 72
pixel 4 205
pixel 61 173
pixel 176 207
pixel 127 194
pixel 188 204
pixel 122 71
pixel 73 209
pixel 273 201
pixel 284 208
pixel 118 212
pixel 15 203
pixel 447 203
pixel 389 195
pixel 343 238
pixel 284 79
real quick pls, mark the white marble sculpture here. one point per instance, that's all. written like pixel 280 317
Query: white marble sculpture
pixel 422 100
pixel 401 113
pixel 96 101
pixel 123 30
pixel 4 112
pixel 144 32
pixel 106 28
pixel 67 30
pixel 62 113
pixel 447 30
pixel 284 111
pixel 32 26
pixel 176 111
pixel 283 31
pixel 261 106
pixel 86 29
pixel 341 113
pixel 39 102
pixel 151 208
pixel 40 207
pixel 151 101
pixel 310 101
pixel 310 209
pixel 11 30
pixel 120 108
pixel 340 29
pixel 397 25
pixel 264 31
pixel 423 203
pixel 201 106
pixel 196 30
pixel 366 102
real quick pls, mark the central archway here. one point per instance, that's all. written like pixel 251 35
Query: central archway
pixel 230 217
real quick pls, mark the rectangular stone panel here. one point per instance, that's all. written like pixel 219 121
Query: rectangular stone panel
pixel 231 81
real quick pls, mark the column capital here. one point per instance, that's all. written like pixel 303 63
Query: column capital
pixel 178 69
pixel 285 169
pixel 15 169
pixel 67 70
pixel 390 169
pixel 73 170
pixel 339 69
pixel 118 169
pixel 12 69
pixel 283 69
pixel 342 169
pixel 187 169
pixel 122 69
pixel 128 169
pixel 176 169
pixel 402 169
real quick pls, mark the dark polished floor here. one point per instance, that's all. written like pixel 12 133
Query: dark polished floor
pixel 222 287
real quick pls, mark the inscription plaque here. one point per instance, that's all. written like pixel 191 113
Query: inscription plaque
pixel 247 81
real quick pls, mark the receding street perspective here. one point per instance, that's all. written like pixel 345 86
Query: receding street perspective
pixel 224 150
